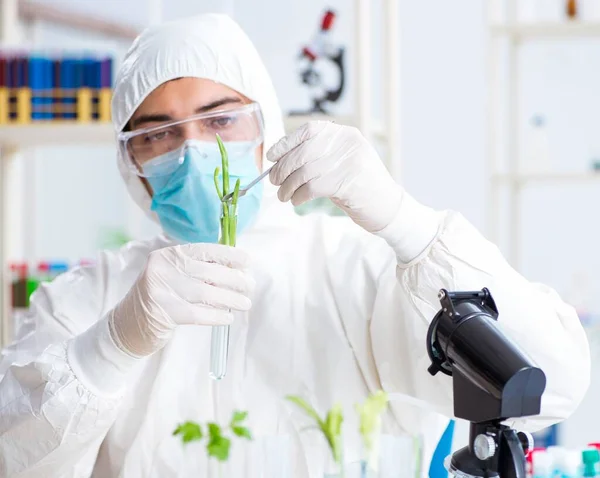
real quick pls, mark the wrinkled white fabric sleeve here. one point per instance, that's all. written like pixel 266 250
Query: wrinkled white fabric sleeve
pixel 98 363
pixel 412 230
pixel 58 395
pixel 442 250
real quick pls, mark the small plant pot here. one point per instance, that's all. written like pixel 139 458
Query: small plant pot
pixel 358 469
pixel 263 457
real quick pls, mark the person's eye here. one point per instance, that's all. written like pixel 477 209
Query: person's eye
pixel 157 136
pixel 223 122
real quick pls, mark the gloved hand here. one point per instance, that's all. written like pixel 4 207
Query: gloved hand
pixel 323 159
pixel 185 284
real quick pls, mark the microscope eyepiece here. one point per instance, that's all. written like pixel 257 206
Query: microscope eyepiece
pixel 493 378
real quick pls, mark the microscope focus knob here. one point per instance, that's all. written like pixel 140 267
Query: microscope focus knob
pixel 526 440
pixel 484 447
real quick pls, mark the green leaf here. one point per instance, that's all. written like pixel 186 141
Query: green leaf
pixel 225 164
pixel 218 445
pixel 370 420
pixel 189 431
pixel 304 405
pixel 333 431
pixel 331 427
pixel 234 205
pixel 238 417
pixel 216 178
pixel 241 432
pixel 214 430
pixel 236 193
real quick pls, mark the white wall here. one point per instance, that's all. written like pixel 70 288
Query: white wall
pixel 443 109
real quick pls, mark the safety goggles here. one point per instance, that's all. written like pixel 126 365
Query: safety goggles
pixel 166 143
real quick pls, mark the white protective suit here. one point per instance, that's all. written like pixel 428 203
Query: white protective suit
pixel 336 314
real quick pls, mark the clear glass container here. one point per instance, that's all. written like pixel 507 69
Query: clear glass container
pixel 219 340
pixel 264 457
pixel 399 457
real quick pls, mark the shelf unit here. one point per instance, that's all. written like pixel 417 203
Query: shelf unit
pixel 17 139
pixel 516 35
pixel 14 141
pixel 546 30
pixel 523 179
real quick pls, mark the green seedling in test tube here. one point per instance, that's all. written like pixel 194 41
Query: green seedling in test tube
pixel 219 344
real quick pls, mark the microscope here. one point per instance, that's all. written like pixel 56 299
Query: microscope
pixel 322 51
pixel 493 380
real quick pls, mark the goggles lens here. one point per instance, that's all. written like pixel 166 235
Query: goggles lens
pixel 165 143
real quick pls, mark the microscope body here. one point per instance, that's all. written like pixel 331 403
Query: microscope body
pixel 494 450
pixel 493 380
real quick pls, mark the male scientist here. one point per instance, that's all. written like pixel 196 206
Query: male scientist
pixel 113 357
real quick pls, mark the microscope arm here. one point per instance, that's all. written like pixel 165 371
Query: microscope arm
pixel 511 462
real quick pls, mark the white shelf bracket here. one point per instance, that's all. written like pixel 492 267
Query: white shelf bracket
pixel 9 22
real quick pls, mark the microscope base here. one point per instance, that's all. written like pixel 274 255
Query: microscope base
pixel 462 464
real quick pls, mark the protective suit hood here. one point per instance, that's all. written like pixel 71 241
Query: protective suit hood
pixel 210 46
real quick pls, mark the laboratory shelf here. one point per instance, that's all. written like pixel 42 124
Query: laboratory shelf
pixel 532 31
pixel 547 177
pixel 504 72
pixel 55 133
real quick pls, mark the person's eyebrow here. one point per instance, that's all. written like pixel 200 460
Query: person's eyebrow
pixel 220 102
pixel 150 118
pixel 162 118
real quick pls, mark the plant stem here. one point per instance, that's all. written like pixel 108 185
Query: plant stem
pixel 228 225
pixel 229 208
pixel 225 163
pixel 224 229
pixel 216 177
pixel 234 204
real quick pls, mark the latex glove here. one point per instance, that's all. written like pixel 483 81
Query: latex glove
pixel 324 159
pixel 185 284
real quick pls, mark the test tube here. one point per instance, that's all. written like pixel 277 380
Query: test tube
pixel 219 349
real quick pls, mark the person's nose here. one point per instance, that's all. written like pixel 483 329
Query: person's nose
pixel 193 130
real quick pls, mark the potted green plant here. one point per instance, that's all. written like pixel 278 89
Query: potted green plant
pixel 330 426
pixel 369 413
pixel 218 438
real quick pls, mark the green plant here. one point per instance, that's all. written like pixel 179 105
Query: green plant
pixel 113 238
pixel 330 426
pixel 218 443
pixel 229 207
pixel 369 413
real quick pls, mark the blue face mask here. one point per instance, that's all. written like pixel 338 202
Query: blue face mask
pixel 186 200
